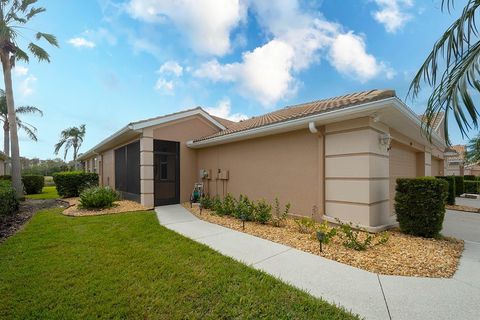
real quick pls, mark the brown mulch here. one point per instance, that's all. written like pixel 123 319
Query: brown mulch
pixel 11 225
pixel 118 207
pixel 402 254
pixel 462 208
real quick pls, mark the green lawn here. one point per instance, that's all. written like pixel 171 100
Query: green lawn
pixel 47 193
pixel 128 266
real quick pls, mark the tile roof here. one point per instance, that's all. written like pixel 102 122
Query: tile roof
pixel 225 122
pixel 304 110
pixel 436 122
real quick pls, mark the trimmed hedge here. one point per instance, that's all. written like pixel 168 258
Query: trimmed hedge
pixel 469 177
pixel 71 184
pixel 33 184
pixel 472 187
pixel 98 198
pixel 459 188
pixel 451 188
pixel 8 199
pixel 420 205
pixel 6 177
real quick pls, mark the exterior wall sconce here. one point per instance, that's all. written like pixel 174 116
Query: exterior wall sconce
pixel 385 139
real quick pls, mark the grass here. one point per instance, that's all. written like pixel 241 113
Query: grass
pixel 47 193
pixel 128 266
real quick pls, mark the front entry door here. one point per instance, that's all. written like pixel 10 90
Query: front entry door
pixel 166 172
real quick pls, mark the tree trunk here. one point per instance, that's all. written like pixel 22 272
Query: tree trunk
pixel 6 138
pixel 12 120
pixel 75 146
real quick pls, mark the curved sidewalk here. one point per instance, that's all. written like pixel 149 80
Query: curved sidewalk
pixel 368 294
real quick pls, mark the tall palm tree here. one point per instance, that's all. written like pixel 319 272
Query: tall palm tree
pixel 452 70
pixel 29 129
pixel 71 138
pixel 472 153
pixel 14 15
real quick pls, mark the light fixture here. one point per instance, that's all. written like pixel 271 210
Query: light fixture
pixel 384 140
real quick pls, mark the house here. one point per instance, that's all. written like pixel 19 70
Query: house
pixel 455 162
pixel 3 161
pixel 338 157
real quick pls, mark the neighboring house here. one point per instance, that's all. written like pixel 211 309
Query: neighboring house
pixel 337 157
pixel 3 158
pixel 455 162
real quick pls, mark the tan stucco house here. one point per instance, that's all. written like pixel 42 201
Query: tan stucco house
pixel 455 160
pixel 337 157
pixel 3 159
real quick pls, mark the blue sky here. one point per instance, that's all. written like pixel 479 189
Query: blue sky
pixel 121 61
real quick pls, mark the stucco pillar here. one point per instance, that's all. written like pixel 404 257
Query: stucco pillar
pixel 357 174
pixel 146 169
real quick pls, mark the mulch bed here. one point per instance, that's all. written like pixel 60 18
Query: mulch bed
pixel 10 225
pixel 402 255
pixel 462 208
pixel 118 207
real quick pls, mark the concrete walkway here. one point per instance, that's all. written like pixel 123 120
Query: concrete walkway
pixel 368 294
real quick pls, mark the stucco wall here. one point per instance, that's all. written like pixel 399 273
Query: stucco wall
pixel 287 166
pixel 182 131
pixel 2 167
pixel 107 177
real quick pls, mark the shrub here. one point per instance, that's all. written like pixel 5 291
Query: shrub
pixel 420 205
pixel 228 204
pixel 279 218
pixel 458 185
pixel 33 184
pixel 360 240
pixel 71 184
pixel 471 186
pixel 263 212
pixel 8 199
pixel 244 209
pixel 469 177
pixel 98 198
pixel 6 177
pixel 206 202
pixel 217 206
pixel 305 224
pixel 451 189
pixel 328 232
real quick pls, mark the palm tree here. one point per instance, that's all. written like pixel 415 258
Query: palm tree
pixel 452 70
pixel 29 129
pixel 14 15
pixel 71 138
pixel 472 154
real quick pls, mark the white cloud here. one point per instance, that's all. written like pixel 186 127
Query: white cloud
pixel 26 86
pixel 297 41
pixel 224 109
pixel 393 14
pixel 26 81
pixel 164 86
pixel 207 24
pixel 80 42
pixel 171 67
pixel 348 55
pixel 20 71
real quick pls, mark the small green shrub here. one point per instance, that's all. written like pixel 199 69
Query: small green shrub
pixel 33 184
pixel 471 186
pixel 305 224
pixel 217 206
pixel 263 211
pixel 8 199
pixel 71 184
pixel 228 204
pixel 244 209
pixel 451 188
pixel 352 239
pixel 6 177
pixel 98 198
pixel 420 205
pixel 468 177
pixel 280 217
pixel 328 232
pixel 459 185
pixel 206 202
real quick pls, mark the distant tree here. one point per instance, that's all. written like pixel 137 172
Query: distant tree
pixel 472 152
pixel 14 16
pixel 452 70
pixel 29 129
pixel 71 138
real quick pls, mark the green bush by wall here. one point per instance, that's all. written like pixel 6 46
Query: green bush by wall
pixel 33 184
pixel 71 184
pixel 451 188
pixel 98 198
pixel 459 185
pixel 472 186
pixel 8 199
pixel 469 177
pixel 420 205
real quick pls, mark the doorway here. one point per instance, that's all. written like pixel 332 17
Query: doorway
pixel 166 158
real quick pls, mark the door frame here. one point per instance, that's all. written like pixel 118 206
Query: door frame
pixel 176 200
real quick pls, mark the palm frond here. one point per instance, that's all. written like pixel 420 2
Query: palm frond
pixel 28 110
pixel 59 145
pixel 49 37
pixel 21 55
pixel 33 12
pixel 30 130
pixel 25 4
pixel 39 52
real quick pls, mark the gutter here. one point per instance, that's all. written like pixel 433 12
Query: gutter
pixel 305 122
